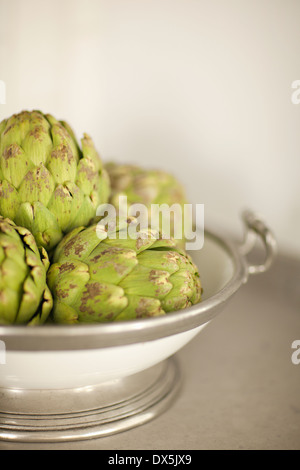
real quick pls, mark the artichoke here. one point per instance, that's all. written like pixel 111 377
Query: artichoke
pixel 47 183
pixel 144 186
pixel 147 187
pixel 24 295
pixel 98 278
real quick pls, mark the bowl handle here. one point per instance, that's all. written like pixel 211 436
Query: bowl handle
pixel 255 227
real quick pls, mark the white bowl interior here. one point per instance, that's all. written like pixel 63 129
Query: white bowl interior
pixel 215 266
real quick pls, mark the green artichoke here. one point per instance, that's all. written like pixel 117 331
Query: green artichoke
pixel 24 295
pixel 144 186
pixel 47 183
pixel 96 278
pixel 147 187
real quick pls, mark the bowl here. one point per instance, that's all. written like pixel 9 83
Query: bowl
pixel 63 380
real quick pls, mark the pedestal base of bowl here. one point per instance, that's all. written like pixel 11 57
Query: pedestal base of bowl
pixel 88 412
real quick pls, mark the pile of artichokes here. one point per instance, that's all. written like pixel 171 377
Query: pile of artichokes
pixel 54 264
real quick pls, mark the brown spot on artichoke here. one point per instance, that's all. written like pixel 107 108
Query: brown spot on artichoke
pixel 66 267
pixel 11 152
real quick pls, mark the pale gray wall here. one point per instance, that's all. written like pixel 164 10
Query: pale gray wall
pixel 199 87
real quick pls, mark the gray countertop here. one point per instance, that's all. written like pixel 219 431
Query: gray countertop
pixel 241 389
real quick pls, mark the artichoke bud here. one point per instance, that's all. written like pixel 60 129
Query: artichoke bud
pixel 114 279
pixel 24 295
pixel 42 165
pixel 149 187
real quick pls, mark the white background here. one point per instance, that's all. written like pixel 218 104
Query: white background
pixel 201 88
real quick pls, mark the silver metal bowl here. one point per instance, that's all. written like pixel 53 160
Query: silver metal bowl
pixel 85 381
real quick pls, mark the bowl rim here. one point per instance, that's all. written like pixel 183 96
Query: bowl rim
pixel 104 335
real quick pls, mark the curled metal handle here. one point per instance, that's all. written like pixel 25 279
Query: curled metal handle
pixel 255 227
